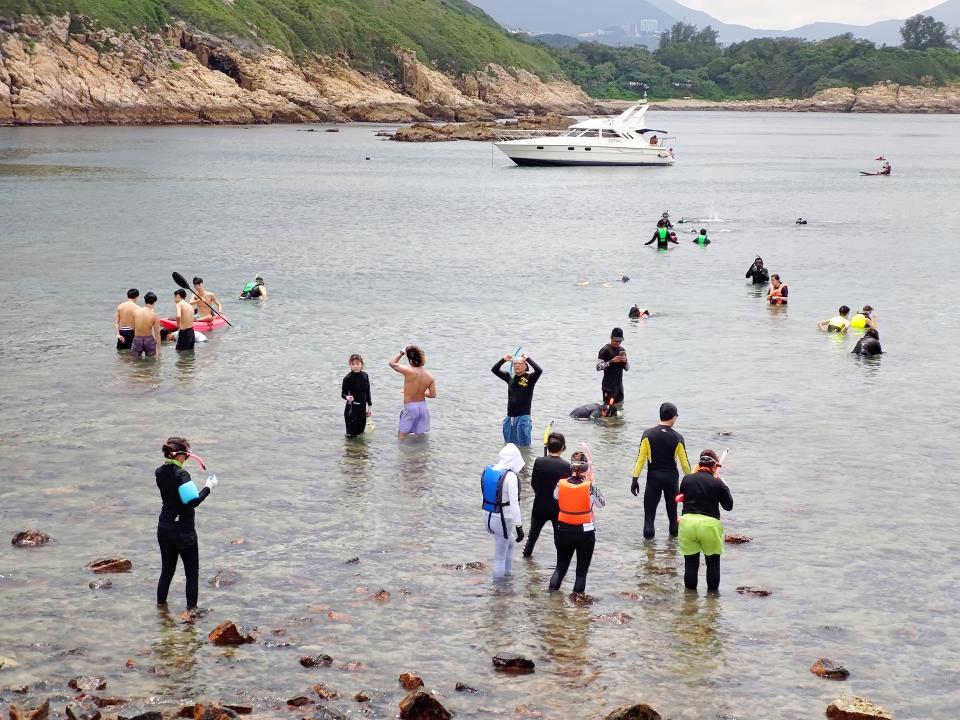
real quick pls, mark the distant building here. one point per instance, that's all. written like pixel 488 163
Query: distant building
pixel 648 26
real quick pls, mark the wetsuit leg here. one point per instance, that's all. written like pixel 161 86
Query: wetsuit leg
pixel 691 569
pixel 168 564
pixel 191 568
pixel 585 545
pixel 566 546
pixel 537 521
pixel 355 418
pixel 651 499
pixel 670 490
pixel 713 573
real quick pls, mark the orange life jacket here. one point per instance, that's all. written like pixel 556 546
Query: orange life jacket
pixel 575 503
pixel 776 295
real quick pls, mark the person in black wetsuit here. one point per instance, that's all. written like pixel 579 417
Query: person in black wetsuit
pixel 355 390
pixel 517 425
pixel 547 472
pixel 662 236
pixel 703 493
pixel 662 447
pixel 869 344
pixel 612 361
pixel 592 411
pixel 758 273
pixel 176 532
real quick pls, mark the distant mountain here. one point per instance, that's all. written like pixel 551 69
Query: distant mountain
pixel 550 16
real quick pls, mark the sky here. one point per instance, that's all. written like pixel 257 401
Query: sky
pixel 779 15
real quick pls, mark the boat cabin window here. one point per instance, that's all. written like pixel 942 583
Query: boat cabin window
pixel 611 134
pixel 591 133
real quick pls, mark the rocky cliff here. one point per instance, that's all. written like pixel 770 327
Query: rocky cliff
pixel 65 71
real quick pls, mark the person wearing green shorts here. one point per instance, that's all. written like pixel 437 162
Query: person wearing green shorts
pixel 703 492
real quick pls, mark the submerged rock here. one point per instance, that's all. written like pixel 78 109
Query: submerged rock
pixel 753 590
pixel 642 711
pixel 353 666
pixel 411 681
pixel 83 710
pixel 227 633
pixel 419 705
pixel 299 701
pixel 362 697
pixel 224 578
pixel 318 661
pixel 191 616
pixel 110 565
pixel 148 715
pixel 30 538
pixel 101 584
pixel 381 595
pixel 618 618
pixel 581 598
pixel 850 707
pixel 41 712
pixel 325 693
pixel 206 712
pixel 511 663
pixel 737 539
pixel 463 687
pixel 829 669
pixel 87 684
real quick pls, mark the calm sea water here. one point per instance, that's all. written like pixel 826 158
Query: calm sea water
pixel 841 469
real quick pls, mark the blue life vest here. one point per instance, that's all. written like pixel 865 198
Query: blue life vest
pixel 491 485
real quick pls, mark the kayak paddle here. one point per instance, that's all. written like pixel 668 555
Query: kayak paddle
pixel 182 282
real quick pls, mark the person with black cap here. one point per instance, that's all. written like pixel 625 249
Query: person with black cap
pixel 869 344
pixel 758 273
pixel 703 492
pixel 547 472
pixel 612 361
pixel 662 447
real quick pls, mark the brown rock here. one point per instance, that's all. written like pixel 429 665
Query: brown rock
pixel 362 697
pixel 107 702
pixel 511 663
pixel 41 712
pixel 752 590
pixel 207 712
pixel 381 595
pixel 299 701
pixel 227 633
pixel 318 661
pixel 829 669
pixel 191 616
pixel 224 578
pixel 110 565
pixel 239 709
pixel 87 684
pixel 419 705
pixel 100 584
pixel 410 681
pixel 851 707
pixel 338 616
pixel 630 595
pixel 737 539
pixel 641 711
pixel 29 538
pixel 83 710
pixel 325 693
pixel 581 598
pixel 149 715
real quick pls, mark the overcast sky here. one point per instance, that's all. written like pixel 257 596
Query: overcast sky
pixel 784 15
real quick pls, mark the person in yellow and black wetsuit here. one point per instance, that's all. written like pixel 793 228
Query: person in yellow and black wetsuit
pixel 662 447
pixel 838 323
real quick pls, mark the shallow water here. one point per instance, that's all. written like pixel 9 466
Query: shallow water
pixel 837 464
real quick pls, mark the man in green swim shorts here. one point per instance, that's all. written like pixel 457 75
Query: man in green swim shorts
pixel 703 492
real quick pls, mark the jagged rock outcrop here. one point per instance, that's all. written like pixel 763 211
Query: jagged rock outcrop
pixel 524 92
pixel 52 76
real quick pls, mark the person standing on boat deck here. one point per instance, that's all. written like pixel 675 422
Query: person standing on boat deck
pixel 517 426
pixel 418 385
pixel 612 362
pixel 123 320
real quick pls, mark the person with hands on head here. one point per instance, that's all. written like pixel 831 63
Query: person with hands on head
pixel 500 487
pixel 576 496
pixel 612 362
pixel 703 492
pixel 176 531
pixel 517 425
pixel 662 447
pixel 418 385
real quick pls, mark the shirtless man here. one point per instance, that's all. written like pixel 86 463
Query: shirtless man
pixel 146 326
pixel 123 320
pixel 185 314
pixel 206 302
pixel 418 385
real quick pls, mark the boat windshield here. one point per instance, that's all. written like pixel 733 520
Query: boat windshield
pixel 611 134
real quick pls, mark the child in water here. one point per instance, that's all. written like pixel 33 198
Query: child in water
pixel 356 391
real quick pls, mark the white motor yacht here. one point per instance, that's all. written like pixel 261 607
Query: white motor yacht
pixel 620 140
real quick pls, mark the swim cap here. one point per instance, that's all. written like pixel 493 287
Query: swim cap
pixel 708 458
pixel 668 411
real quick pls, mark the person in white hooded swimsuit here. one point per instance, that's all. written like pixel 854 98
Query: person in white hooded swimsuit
pixel 501 507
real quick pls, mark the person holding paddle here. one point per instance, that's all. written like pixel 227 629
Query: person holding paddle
pixel 204 301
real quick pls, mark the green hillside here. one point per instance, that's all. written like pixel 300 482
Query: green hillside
pixel 452 33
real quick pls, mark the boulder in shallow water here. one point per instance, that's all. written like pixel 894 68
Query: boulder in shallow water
pixel 299 701
pixel 641 711
pixel 420 705
pixel 110 565
pixel 511 663
pixel 318 661
pixel 753 590
pixel 737 539
pixel 83 710
pixel 88 684
pixel 41 712
pixel 227 633
pixel 30 538
pixel 850 707
pixel 829 669
pixel 411 681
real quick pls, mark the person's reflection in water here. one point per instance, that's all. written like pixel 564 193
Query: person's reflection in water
pixel 144 373
pixel 186 364
pixel 175 651
pixel 698 637
pixel 565 631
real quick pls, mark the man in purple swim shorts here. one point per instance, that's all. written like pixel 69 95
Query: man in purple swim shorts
pixel 418 385
pixel 146 329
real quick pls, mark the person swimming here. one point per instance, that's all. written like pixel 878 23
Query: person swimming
pixel 864 319
pixel 701 238
pixel 801 221
pixel 593 411
pixel 637 312
pixel 838 323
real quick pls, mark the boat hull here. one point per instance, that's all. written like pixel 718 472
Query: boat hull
pixel 548 154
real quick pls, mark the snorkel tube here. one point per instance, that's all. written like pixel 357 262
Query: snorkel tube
pixel 516 354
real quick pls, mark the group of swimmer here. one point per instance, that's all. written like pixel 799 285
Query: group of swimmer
pixel 664 235
pixel 865 320
pixel 139 329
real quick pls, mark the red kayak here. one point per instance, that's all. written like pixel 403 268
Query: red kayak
pixel 201 325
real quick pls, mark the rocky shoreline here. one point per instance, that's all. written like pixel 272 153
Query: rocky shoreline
pixel 65 71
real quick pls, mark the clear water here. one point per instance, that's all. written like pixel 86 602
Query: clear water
pixel 841 469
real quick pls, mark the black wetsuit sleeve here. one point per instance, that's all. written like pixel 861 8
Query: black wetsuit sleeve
pixel 500 373
pixel 345 387
pixel 366 379
pixel 652 240
pixel 785 291
pixel 725 498
pixel 537 371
